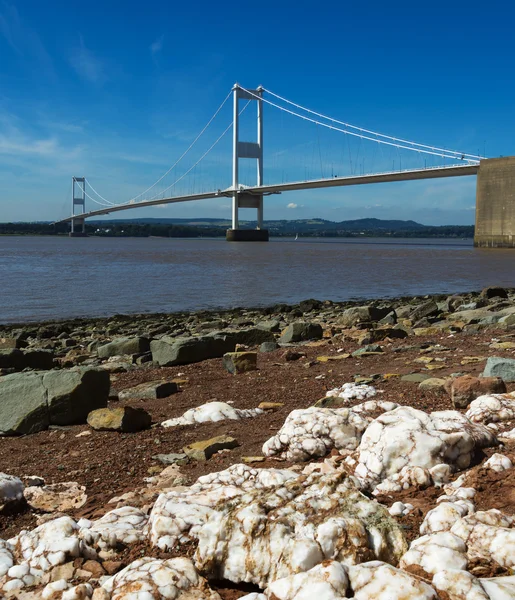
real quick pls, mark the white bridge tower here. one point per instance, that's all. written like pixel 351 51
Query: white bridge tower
pixel 78 226
pixel 253 150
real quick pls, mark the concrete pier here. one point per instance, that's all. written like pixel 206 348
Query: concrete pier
pixel 495 203
pixel 247 235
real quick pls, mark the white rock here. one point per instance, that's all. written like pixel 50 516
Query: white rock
pixel 442 518
pixel 56 497
pixel 486 542
pixel 499 588
pixel 492 408
pixel 211 412
pixel 50 544
pixel 352 391
pixel 508 435
pixel 380 581
pixel 11 489
pixel 327 581
pixel 124 525
pixel 460 585
pixel 313 432
pixel 6 557
pixel 264 535
pixel 155 579
pixel 178 515
pixel 436 552
pixel 498 462
pixel 407 437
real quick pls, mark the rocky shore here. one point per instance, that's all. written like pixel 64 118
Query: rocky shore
pixel 331 450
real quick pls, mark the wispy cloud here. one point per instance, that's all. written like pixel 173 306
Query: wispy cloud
pixel 157 45
pixel 9 22
pixel 87 65
pixel 24 40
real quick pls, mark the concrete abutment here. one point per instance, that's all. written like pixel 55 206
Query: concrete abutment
pixel 495 203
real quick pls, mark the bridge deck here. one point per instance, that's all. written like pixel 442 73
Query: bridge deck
pixel 433 173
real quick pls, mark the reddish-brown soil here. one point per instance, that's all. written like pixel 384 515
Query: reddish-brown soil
pixel 110 464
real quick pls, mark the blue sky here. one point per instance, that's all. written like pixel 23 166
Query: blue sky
pixel 118 90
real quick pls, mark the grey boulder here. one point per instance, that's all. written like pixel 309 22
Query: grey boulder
pixel 30 402
pixel 301 331
pixel 500 367
pixel 122 346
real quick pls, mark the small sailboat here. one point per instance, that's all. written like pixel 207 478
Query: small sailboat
pixel 296 237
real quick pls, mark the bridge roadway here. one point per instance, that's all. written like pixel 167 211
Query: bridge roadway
pixel 410 175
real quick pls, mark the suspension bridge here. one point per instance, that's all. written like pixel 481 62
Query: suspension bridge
pixel 495 190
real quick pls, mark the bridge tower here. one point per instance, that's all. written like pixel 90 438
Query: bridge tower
pixel 252 150
pixel 78 226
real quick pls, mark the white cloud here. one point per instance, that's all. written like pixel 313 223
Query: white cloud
pixel 87 65
pixel 157 45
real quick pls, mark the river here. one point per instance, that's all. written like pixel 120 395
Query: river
pixel 59 277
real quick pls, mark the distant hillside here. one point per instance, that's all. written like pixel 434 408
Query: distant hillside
pixel 216 228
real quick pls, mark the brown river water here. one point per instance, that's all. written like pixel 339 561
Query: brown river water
pixel 58 277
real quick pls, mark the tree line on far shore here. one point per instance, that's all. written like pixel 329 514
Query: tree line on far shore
pixel 277 229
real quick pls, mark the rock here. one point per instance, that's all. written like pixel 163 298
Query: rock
pixel 11 492
pixel 268 346
pixel 153 579
pixel 170 351
pixel 301 331
pixel 494 292
pixel 205 449
pixel 272 325
pixel 407 437
pixel 72 394
pixel 126 419
pixel 7 343
pixel 463 390
pixel 492 408
pixel 498 463
pixel 416 377
pixel 433 383
pixel 291 355
pixel 240 362
pixel 95 568
pixel 378 581
pixel 123 346
pixel 23 404
pixel 367 350
pixel 39 359
pixel 352 391
pixel 149 391
pixel 125 525
pixel 313 432
pixel 172 459
pixel 62 572
pixel 500 367
pixel 436 552
pixel 282 525
pixel 485 539
pixel 57 497
pixel 427 309
pixel 112 566
pixel 212 412
pixel 327 581
pixel 12 359
pixel 362 314
pixel 270 405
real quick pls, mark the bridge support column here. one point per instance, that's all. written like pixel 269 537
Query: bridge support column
pixel 495 203
pixel 78 225
pixel 254 150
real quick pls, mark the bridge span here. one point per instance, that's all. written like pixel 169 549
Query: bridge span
pixel 495 190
